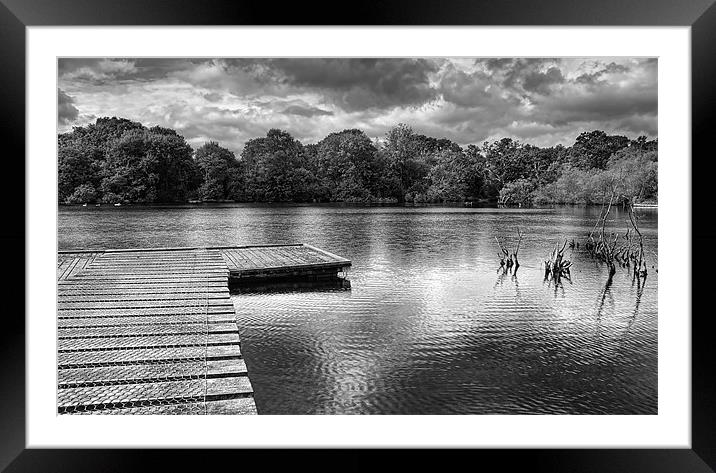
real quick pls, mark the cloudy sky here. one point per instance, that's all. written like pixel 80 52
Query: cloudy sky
pixel 539 101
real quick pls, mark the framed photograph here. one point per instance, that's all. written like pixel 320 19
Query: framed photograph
pixel 416 228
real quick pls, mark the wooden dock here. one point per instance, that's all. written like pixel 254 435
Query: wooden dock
pixel 154 331
pixel 259 263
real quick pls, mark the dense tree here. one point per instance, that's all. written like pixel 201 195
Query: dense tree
pixel 100 133
pixel 593 149
pixel 277 169
pixel 118 160
pixel 428 145
pixel 400 151
pixel 574 186
pixel 635 171
pixel 77 165
pixel 517 192
pixel 505 160
pixel 143 166
pixel 409 158
pixel 489 188
pixel 347 166
pixel 456 176
pixel 82 194
pixel 644 144
pixel 631 175
pixel 221 173
pixel 81 154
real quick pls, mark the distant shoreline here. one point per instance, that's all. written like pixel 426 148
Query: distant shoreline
pixel 493 206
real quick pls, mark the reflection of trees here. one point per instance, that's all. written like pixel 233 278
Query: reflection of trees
pixel 502 274
pixel 289 286
pixel 640 283
pixel 603 295
pixel 557 280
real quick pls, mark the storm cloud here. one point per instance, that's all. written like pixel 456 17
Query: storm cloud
pixel 66 111
pixel 543 101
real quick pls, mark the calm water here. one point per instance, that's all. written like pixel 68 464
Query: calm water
pixel 429 326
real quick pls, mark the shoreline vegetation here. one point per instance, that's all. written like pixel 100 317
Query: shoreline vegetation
pixel 118 161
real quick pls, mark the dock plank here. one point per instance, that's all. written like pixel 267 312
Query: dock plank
pixel 239 406
pixel 79 322
pixel 99 303
pixel 142 341
pixel 153 331
pixel 135 374
pixel 139 297
pixel 148 331
pixel 280 260
pixel 137 356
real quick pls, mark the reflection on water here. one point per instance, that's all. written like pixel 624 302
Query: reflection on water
pixel 430 325
pixel 281 286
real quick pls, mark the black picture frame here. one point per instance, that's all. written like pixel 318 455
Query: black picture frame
pixel 16 15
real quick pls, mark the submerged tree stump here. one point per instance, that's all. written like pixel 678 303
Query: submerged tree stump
pixel 508 260
pixel 557 266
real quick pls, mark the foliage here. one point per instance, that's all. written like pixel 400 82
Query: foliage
pixel 574 186
pixel 402 151
pixel 118 160
pixel 636 172
pixel 84 193
pixel 517 192
pixel 456 176
pixel 81 153
pixel 631 175
pixel 221 173
pixel 277 169
pixel 347 166
pixel 593 149
pixel 145 166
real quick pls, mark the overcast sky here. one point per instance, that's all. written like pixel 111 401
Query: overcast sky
pixel 539 101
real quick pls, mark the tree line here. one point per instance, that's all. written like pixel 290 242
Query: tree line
pixel 118 160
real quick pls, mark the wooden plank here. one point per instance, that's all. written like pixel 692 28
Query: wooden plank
pixel 235 261
pixel 158 267
pixel 172 248
pixel 132 357
pixel 69 268
pixel 263 256
pixel 252 262
pixel 139 293
pixel 103 375
pixel 128 274
pixel 158 325
pixel 286 257
pixel 138 285
pixel 153 341
pixel 81 322
pixel 63 305
pixel 144 311
pixel 126 395
pixel 239 406
pixel 146 330
pixel 145 297
pixel 242 259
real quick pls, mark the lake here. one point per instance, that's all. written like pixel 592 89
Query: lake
pixel 429 326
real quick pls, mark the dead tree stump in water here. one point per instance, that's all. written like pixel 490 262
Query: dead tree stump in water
pixel 557 266
pixel 639 258
pixel 627 253
pixel 508 260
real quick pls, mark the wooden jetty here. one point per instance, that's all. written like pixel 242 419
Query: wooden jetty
pixel 259 263
pixel 153 331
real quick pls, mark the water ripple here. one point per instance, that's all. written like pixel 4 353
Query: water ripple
pixel 430 326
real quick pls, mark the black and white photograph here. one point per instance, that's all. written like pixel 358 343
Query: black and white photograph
pixel 357 235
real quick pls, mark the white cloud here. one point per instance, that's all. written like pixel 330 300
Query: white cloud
pixel 541 101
